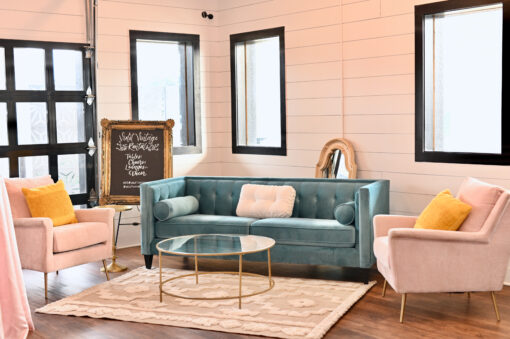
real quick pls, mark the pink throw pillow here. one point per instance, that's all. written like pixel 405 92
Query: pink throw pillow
pixel 482 197
pixel 17 200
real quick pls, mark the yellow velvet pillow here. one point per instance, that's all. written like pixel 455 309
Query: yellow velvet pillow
pixel 51 201
pixel 444 212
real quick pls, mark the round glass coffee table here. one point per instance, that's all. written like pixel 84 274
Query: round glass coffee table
pixel 210 245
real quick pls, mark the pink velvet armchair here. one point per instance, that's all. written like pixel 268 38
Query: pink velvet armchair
pixel 472 259
pixel 45 248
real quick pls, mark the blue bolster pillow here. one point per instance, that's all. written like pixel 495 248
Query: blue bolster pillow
pixel 345 213
pixel 175 207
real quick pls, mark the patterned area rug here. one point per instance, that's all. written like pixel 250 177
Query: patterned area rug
pixel 294 308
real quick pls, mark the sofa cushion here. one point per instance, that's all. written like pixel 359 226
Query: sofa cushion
pixel 304 231
pixel 481 197
pixel 266 201
pixel 75 236
pixel 175 207
pixel 203 224
pixel 19 207
pixel 345 213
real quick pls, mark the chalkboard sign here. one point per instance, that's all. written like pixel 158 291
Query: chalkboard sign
pixel 134 152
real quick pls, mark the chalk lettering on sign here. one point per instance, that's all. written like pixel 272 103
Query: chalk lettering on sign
pixel 135 165
pixel 137 141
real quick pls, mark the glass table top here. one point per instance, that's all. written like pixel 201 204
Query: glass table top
pixel 215 244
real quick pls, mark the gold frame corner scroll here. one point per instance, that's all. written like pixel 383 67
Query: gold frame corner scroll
pixel 331 146
pixel 106 197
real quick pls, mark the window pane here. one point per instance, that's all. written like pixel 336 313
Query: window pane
pixel 70 122
pixel 4 138
pixel 162 85
pixel 32 119
pixel 2 69
pixel 4 167
pixel 68 70
pixel 258 93
pixel 72 171
pixel 463 80
pixel 29 69
pixel 35 166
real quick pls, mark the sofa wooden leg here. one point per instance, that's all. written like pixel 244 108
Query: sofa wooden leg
pixel 106 270
pixel 148 261
pixel 495 305
pixel 384 288
pixel 403 307
pixel 45 285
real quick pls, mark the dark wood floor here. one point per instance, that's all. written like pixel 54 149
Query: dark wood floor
pixel 427 315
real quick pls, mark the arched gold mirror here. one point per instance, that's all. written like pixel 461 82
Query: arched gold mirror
pixel 336 160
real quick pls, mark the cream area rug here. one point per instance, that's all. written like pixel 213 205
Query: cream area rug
pixel 294 308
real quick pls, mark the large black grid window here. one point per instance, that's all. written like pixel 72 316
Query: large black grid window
pixel 165 84
pixel 45 123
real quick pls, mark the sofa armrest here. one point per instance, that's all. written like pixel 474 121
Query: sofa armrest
pixel 34 237
pixel 384 223
pixel 151 193
pixel 373 199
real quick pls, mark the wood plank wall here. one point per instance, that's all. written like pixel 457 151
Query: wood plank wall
pixel 313 55
pixel 378 64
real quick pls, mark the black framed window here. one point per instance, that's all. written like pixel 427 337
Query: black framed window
pixel 462 81
pixel 45 123
pixel 165 84
pixel 257 71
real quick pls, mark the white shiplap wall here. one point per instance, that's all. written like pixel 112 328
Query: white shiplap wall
pixel 313 56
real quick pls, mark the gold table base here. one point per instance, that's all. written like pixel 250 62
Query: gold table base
pixel 114 267
pixel 197 274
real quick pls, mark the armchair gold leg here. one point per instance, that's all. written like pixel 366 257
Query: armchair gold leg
pixel 106 270
pixel 495 305
pixel 384 288
pixel 403 307
pixel 45 285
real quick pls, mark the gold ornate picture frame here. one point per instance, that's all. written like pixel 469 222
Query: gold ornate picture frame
pixel 139 150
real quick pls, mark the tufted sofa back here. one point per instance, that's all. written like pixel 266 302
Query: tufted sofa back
pixel 315 198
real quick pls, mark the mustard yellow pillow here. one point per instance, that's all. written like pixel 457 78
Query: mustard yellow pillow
pixel 51 201
pixel 444 212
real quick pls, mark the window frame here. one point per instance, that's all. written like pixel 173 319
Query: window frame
pixel 254 35
pixel 192 82
pixel 50 97
pixel 421 155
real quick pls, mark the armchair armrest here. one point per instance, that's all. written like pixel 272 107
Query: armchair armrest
pixel 438 235
pixel 424 260
pixel 384 223
pixel 104 215
pixel 95 215
pixel 34 237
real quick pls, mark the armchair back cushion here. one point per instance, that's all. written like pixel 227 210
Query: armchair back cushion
pixel 482 197
pixel 19 207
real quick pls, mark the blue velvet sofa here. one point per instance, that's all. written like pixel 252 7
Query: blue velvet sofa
pixel 311 236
